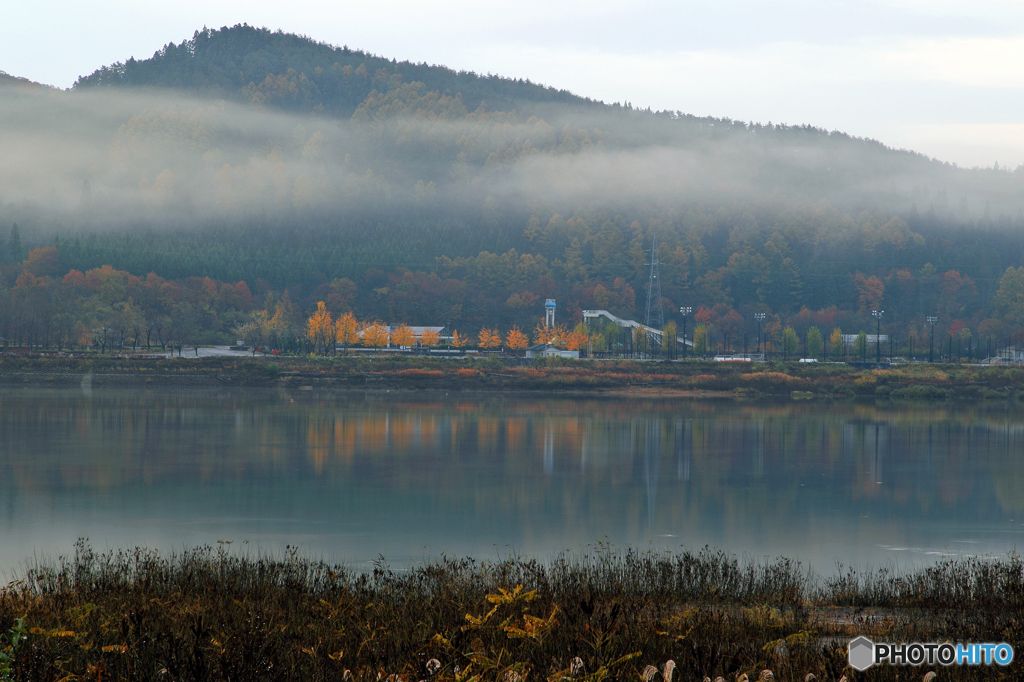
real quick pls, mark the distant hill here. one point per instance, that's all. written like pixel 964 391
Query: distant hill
pixel 24 84
pixel 419 193
pixel 297 73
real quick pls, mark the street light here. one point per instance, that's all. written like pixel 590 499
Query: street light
pixel 877 314
pixel 931 345
pixel 684 311
pixel 759 317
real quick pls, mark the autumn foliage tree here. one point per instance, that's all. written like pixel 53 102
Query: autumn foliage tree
pixel 320 329
pixel 430 337
pixel 559 336
pixel 489 338
pixel 376 335
pixel 577 339
pixel 346 330
pixel 403 336
pixel 543 334
pixel 458 341
pixel 516 339
pixel 836 343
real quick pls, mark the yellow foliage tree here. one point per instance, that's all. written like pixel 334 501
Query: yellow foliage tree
pixel 489 338
pixel 320 329
pixel 516 340
pixel 429 337
pixel 577 339
pixel 403 336
pixel 376 335
pixel 347 330
pixel 559 336
pixel 458 341
pixel 835 342
pixel 543 334
pixel 276 327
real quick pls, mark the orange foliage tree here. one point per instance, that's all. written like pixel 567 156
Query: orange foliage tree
pixel 559 336
pixel 347 330
pixel 543 334
pixel 516 340
pixel 320 329
pixel 458 341
pixel 403 336
pixel 430 337
pixel 376 335
pixel 577 339
pixel 489 338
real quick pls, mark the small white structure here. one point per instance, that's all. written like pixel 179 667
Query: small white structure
pixel 549 313
pixel 546 350
pixel 1010 355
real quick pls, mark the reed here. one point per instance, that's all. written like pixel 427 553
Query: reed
pixel 210 613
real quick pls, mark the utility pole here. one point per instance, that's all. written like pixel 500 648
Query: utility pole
pixel 931 345
pixel 759 317
pixel 877 314
pixel 684 311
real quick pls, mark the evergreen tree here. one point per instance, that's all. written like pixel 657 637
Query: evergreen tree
pixel 15 251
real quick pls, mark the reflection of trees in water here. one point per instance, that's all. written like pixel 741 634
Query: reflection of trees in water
pixel 599 464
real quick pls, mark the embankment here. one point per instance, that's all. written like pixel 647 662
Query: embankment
pixel 613 377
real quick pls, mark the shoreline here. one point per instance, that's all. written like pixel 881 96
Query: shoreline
pixel 691 379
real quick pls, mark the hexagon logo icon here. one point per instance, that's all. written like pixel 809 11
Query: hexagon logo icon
pixel 862 653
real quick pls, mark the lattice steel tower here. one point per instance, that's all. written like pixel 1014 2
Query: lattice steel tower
pixel 655 315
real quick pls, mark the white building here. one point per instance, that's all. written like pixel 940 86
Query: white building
pixel 546 350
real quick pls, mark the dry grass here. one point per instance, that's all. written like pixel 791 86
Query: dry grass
pixel 207 614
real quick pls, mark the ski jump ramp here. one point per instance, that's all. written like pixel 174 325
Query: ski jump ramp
pixel 651 331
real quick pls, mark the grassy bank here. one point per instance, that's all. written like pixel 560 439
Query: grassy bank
pixel 493 373
pixel 209 614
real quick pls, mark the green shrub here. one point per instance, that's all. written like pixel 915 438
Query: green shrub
pixel 922 392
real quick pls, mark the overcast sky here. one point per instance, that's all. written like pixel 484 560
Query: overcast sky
pixel 941 77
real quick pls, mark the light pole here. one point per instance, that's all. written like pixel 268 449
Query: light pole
pixel 931 344
pixel 877 314
pixel 684 311
pixel 759 317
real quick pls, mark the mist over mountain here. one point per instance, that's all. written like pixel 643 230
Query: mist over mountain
pixel 246 154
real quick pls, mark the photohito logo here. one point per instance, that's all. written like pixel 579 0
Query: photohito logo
pixel 863 653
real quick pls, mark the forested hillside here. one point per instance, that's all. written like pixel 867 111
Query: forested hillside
pixel 412 193
pixel 296 73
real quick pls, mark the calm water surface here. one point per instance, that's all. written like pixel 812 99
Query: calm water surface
pixel 351 476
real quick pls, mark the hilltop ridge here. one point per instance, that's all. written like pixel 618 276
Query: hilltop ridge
pixel 293 72
pixel 7 80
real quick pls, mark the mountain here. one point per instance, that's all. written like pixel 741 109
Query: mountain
pixel 23 84
pixel 416 192
pixel 295 73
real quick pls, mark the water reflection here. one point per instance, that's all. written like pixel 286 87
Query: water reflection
pixel 354 476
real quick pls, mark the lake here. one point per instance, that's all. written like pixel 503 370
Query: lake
pixel 407 476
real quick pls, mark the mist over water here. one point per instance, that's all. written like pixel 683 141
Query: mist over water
pixel 353 477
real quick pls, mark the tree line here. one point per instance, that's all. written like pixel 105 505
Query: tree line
pixel 44 305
